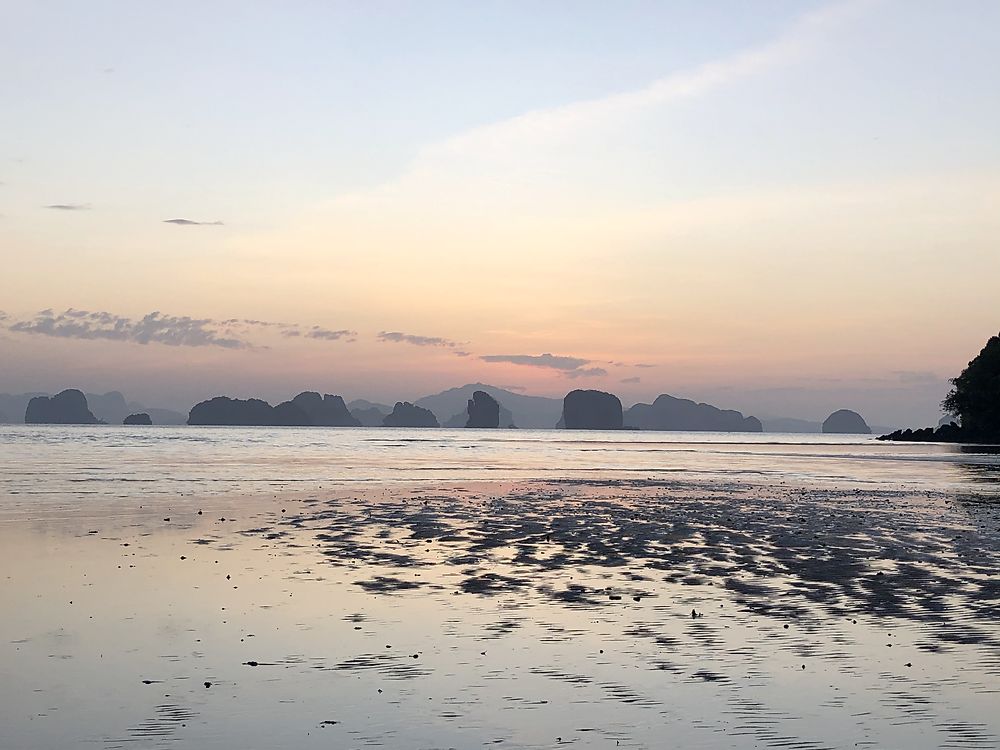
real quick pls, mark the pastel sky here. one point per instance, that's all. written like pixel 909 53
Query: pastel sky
pixel 781 207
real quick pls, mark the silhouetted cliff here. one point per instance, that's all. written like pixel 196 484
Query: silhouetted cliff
pixel 222 410
pixel 592 410
pixel 67 407
pixel 289 414
pixel 668 413
pixel 846 422
pixel 138 419
pixel 484 411
pixel 307 409
pixel 325 411
pixel 405 414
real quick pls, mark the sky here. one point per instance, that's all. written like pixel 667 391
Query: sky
pixel 780 207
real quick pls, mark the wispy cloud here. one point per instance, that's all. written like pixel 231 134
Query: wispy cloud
pixel 398 337
pixel 68 206
pixel 586 372
pixel 155 327
pixel 634 379
pixel 496 142
pixel 550 361
pixel 316 332
pixel 192 223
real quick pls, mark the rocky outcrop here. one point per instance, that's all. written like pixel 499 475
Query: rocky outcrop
pixel 222 410
pixel 484 411
pixel 289 414
pixel 592 410
pixel 308 409
pixel 669 413
pixel 67 407
pixel 405 414
pixel 459 420
pixel 138 419
pixel 949 433
pixel 846 422
pixel 325 411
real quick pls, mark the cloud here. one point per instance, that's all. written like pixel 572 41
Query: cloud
pixel 69 206
pixel 633 379
pixel 327 335
pixel 549 361
pixel 586 372
pixel 643 365
pixel 155 328
pixel 499 147
pixel 192 223
pixel 409 338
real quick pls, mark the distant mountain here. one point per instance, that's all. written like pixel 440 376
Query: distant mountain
pixel 668 413
pixel 529 412
pixel 161 416
pixel 13 406
pixel 109 407
pixel 368 413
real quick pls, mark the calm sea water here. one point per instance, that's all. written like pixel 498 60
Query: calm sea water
pixel 251 589
pixel 64 465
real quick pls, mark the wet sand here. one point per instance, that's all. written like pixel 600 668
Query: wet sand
pixel 510 614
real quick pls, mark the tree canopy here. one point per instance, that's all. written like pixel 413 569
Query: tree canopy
pixel 975 396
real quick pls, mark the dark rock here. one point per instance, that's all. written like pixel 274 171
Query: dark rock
pixel 68 407
pixel 288 414
pixel 484 411
pixel 405 414
pixel 138 419
pixel 669 413
pixel 592 410
pixel 223 410
pixel 325 411
pixel 846 422
pixel 305 410
pixel 949 433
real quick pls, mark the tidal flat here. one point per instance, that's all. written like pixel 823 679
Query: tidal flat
pixel 521 614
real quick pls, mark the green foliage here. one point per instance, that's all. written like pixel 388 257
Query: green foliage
pixel 975 396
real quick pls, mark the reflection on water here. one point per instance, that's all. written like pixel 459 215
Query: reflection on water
pixel 201 589
pixel 83 461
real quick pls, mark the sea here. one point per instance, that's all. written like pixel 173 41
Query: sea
pixel 226 587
